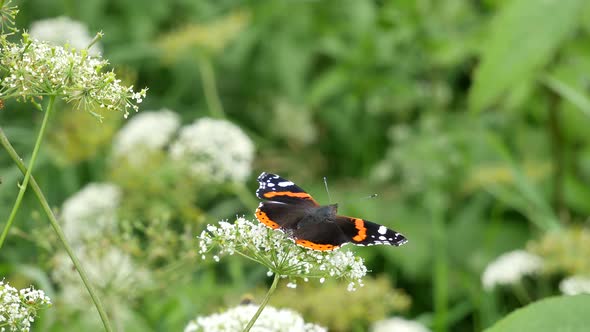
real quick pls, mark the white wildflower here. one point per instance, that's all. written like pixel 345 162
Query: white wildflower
pixel 34 69
pixel 235 319
pixel 575 285
pixel 18 308
pixel 145 132
pixel 510 268
pixel 398 324
pixel 279 254
pixel 216 149
pixel 114 273
pixel 90 212
pixel 64 30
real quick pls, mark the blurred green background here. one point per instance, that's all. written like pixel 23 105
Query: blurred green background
pixel 469 119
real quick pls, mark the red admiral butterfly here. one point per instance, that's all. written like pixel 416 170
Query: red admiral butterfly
pixel 290 209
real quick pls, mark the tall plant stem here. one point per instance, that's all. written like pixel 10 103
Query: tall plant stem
pixel 23 187
pixel 559 159
pixel 271 290
pixel 210 87
pixel 37 190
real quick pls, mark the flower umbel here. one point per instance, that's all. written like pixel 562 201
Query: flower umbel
pixel 215 149
pixel 235 319
pixel 510 268
pixel 64 30
pixel 279 254
pixel 575 285
pixel 91 212
pixel 145 132
pixel 18 308
pixel 399 324
pixel 35 69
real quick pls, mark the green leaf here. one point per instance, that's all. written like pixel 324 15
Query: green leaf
pixel 524 37
pixel 556 314
pixel 568 93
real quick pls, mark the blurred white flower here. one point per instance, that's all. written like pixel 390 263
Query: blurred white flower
pixel 510 268
pixel 398 324
pixel 575 285
pixel 145 132
pixel 18 308
pixel 64 30
pixel 235 319
pixel 90 212
pixel 113 272
pixel 279 254
pixel 216 149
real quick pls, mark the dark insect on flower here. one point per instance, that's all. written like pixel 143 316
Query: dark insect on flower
pixel 289 208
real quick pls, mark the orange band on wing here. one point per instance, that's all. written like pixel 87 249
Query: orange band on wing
pixel 263 218
pixel 288 194
pixel 315 246
pixel 359 224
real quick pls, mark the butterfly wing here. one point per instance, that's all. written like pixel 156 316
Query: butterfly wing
pixel 366 233
pixel 279 215
pixel 275 188
pixel 320 236
pixel 284 205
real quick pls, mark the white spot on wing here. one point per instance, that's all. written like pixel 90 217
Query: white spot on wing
pixel 382 238
pixel 382 230
pixel 285 184
pixel 270 184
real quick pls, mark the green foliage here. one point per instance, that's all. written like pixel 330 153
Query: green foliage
pixel 384 97
pixel 564 313
pixel 524 37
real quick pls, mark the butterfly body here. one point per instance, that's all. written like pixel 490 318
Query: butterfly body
pixel 289 208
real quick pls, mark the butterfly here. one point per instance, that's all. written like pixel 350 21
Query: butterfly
pixel 289 208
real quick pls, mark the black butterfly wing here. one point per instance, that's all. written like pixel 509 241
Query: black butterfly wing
pixel 320 236
pixel 275 188
pixel 279 215
pixel 366 233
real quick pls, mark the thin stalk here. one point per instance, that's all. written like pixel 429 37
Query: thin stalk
pixel 37 190
pixel 558 159
pixel 210 88
pixel 271 290
pixel 23 187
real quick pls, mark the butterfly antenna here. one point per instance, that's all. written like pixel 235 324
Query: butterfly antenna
pixel 328 191
pixel 370 196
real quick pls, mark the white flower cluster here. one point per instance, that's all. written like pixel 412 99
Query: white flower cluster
pixel 64 31
pixel 215 148
pixel 18 308
pixel 575 285
pixel 398 324
pixel 510 268
pixel 36 69
pixel 88 217
pixel 235 319
pixel 279 254
pixel 90 212
pixel 110 270
pixel 145 132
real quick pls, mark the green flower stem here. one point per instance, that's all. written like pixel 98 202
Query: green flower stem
pixel 271 290
pixel 23 187
pixel 37 190
pixel 210 87
pixel 521 293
